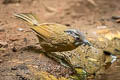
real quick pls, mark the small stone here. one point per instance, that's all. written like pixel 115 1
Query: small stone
pixel 2 29
pixel 68 25
pixel 14 68
pixel 2 49
pixel 115 17
pixel 101 27
pixel 20 29
pixel 3 44
pixel 11 1
pixel 25 40
pixel 1 60
pixel 14 39
pixel 14 49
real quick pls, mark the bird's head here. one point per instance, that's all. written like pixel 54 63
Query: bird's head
pixel 79 37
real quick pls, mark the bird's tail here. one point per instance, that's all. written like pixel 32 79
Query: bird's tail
pixel 41 30
pixel 29 18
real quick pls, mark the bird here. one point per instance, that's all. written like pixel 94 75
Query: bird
pixel 54 37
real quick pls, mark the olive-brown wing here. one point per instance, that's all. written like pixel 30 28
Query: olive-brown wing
pixel 49 31
pixel 55 39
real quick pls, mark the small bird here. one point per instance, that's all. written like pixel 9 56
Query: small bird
pixel 54 37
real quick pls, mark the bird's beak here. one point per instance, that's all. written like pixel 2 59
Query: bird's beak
pixel 86 42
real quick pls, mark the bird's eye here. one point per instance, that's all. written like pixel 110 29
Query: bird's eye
pixel 77 38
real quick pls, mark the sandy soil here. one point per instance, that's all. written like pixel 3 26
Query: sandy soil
pixel 18 40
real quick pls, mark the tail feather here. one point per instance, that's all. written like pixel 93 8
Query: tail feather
pixel 29 18
pixel 41 30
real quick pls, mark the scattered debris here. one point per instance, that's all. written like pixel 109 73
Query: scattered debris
pixel 20 29
pixel 109 34
pixel 82 14
pixel 67 25
pixel 25 40
pixel 1 60
pixel 11 1
pixel 42 75
pixel 20 67
pixel 14 49
pixel 14 38
pixel 3 44
pixel 101 27
pixel 49 9
pixel 92 2
pixel 116 19
pixel 2 49
pixel 2 29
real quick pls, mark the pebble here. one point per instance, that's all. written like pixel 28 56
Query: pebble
pixel 1 60
pixel 101 27
pixel 3 44
pixel 67 25
pixel 20 29
pixel 14 38
pixel 2 29
pixel 14 49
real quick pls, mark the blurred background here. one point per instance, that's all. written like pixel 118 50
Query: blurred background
pixel 85 15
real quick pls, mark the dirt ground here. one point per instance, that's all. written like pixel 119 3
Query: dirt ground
pixel 19 40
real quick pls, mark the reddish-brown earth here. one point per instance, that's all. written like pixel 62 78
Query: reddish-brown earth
pixel 18 40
